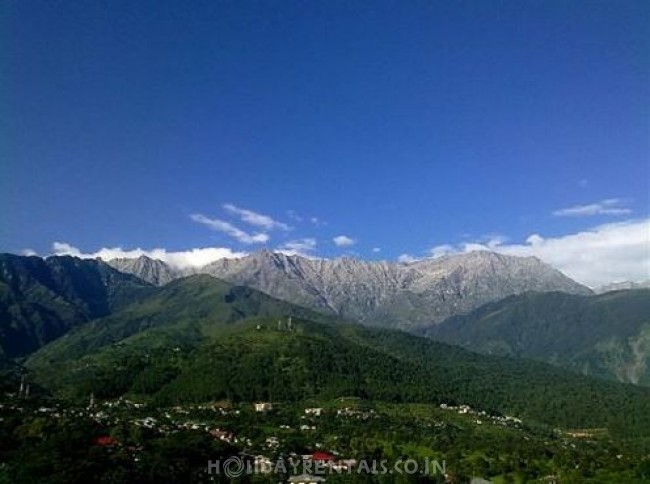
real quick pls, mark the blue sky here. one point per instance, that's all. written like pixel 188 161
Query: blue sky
pixel 403 126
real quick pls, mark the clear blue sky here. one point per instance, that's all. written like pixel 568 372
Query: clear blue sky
pixel 403 125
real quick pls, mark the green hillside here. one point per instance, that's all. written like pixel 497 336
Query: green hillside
pixel 199 339
pixel 41 299
pixel 606 336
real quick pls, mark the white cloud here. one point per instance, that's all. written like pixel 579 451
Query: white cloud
pixel 255 219
pixel 229 229
pixel 487 242
pixel 607 253
pixel 293 215
pixel 317 222
pixel 179 260
pixel 406 258
pixel 610 206
pixel 442 250
pixel 28 252
pixel 344 241
pixel 303 247
pixel 376 250
pixel 493 240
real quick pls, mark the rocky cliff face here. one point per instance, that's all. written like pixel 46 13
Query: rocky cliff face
pixel 407 296
pixel 151 270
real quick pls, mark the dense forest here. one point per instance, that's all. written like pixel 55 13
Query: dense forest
pixel 198 339
pixel 606 335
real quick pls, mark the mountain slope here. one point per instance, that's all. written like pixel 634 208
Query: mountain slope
pixel 199 339
pixel 180 313
pixel 405 296
pixel 41 299
pixel 151 270
pixel 605 335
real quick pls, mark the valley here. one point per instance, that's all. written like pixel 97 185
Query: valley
pixel 150 382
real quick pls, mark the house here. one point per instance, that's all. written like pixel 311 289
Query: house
pixel 148 422
pixel 262 464
pixel 320 456
pixel 272 442
pixel 263 407
pixel 106 441
pixel 316 412
pixel 306 479
pixel 223 435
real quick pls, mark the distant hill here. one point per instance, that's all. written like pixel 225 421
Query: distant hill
pixel 621 286
pixel 199 339
pixel 607 335
pixel 404 296
pixel 41 299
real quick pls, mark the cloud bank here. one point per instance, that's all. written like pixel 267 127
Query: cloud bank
pixel 613 252
pixel 407 258
pixel 607 253
pixel 179 260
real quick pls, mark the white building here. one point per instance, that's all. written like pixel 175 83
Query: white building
pixel 306 479
pixel 263 407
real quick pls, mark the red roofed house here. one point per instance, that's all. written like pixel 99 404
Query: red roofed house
pixel 105 441
pixel 320 456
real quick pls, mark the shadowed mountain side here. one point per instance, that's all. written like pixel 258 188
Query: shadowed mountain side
pixel 41 299
pixel 606 335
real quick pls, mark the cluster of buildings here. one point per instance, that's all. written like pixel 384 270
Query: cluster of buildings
pixel 505 420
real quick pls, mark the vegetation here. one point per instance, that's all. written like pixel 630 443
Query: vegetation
pixel 199 339
pixel 606 336
pixel 42 299
pixel 197 352
pixel 47 441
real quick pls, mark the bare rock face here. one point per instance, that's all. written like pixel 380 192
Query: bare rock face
pixel 153 271
pixel 407 296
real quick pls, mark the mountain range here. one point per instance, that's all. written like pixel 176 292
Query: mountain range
pixel 198 339
pixel 82 326
pixel 405 296
pixel 622 286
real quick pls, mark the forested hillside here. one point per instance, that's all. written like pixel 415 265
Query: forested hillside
pixel 606 335
pixel 41 299
pixel 199 339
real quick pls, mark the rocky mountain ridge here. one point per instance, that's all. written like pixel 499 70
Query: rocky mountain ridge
pixel 406 296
